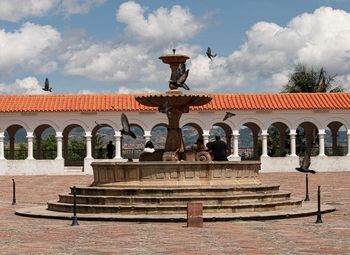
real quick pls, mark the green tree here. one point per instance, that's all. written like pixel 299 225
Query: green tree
pixel 305 79
pixel 76 150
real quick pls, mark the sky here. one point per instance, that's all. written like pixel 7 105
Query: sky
pixel 112 46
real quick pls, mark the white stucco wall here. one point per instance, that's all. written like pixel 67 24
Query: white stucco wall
pixel 147 120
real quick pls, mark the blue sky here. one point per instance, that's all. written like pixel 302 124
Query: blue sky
pixel 106 46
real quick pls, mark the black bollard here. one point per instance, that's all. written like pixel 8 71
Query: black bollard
pixel 307 188
pixel 13 192
pixel 319 220
pixel 74 218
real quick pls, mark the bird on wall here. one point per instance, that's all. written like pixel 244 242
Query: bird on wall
pixel 305 164
pixel 228 115
pixel 210 54
pixel 126 127
pixel 180 78
pixel 47 86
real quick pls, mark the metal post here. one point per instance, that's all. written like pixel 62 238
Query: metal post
pixel 319 220
pixel 307 188
pixel 74 218
pixel 13 192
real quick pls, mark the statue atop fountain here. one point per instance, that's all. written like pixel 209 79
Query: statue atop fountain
pixel 174 102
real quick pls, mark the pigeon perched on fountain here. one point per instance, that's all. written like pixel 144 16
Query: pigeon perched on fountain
pixel 47 86
pixel 180 78
pixel 228 115
pixel 210 54
pixel 126 127
pixel 305 164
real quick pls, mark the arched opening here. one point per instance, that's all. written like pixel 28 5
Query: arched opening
pixel 101 135
pixel 132 148
pixel 190 134
pixel 307 139
pixel 158 135
pixel 44 144
pixel 74 145
pixel 278 144
pixel 336 139
pixel 249 144
pixel 16 142
pixel 224 131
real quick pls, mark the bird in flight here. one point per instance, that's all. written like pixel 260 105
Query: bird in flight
pixel 228 115
pixel 210 54
pixel 126 127
pixel 305 164
pixel 47 86
pixel 180 78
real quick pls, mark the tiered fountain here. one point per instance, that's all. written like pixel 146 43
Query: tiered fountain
pixel 160 190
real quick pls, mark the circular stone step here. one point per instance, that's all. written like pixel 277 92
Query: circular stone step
pixel 307 209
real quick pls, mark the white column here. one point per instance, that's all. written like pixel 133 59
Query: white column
pixel 118 145
pixel 264 135
pixel 147 136
pixel 348 133
pixel 59 145
pixel 321 134
pixel 30 145
pixel 292 134
pixel 235 156
pixel 205 137
pixel 88 137
pixel 2 151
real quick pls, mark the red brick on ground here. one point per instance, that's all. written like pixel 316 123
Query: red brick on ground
pixel 195 215
pixel 22 235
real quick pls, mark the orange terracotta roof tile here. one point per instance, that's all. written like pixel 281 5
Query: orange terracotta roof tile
pixel 127 102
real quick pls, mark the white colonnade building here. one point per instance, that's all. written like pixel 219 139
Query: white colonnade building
pixel 291 122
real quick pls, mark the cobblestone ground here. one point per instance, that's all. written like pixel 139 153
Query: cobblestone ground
pixel 22 235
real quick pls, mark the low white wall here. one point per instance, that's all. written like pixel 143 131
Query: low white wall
pixel 32 167
pixel 268 164
pixel 318 163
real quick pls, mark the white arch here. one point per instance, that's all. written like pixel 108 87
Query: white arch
pixel 185 121
pixel 112 124
pixel 17 122
pixel 138 122
pixel 158 121
pixel 252 120
pixel 45 122
pixel 274 120
pixel 307 119
pixel 76 122
pixel 338 119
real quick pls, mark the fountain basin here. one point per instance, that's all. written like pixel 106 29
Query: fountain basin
pixel 180 173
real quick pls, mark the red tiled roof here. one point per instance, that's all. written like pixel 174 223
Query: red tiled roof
pixel 127 102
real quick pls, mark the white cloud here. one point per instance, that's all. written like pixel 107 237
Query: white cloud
pixel 29 85
pixel 107 62
pixel 15 10
pixel 270 52
pixel 29 47
pixel 79 6
pixel 125 90
pixel 162 26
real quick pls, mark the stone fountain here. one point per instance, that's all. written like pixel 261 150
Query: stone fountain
pixel 160 190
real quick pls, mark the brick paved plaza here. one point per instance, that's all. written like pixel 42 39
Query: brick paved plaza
pixel 21 235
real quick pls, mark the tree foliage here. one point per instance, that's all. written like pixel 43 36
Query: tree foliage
pixel 305 79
